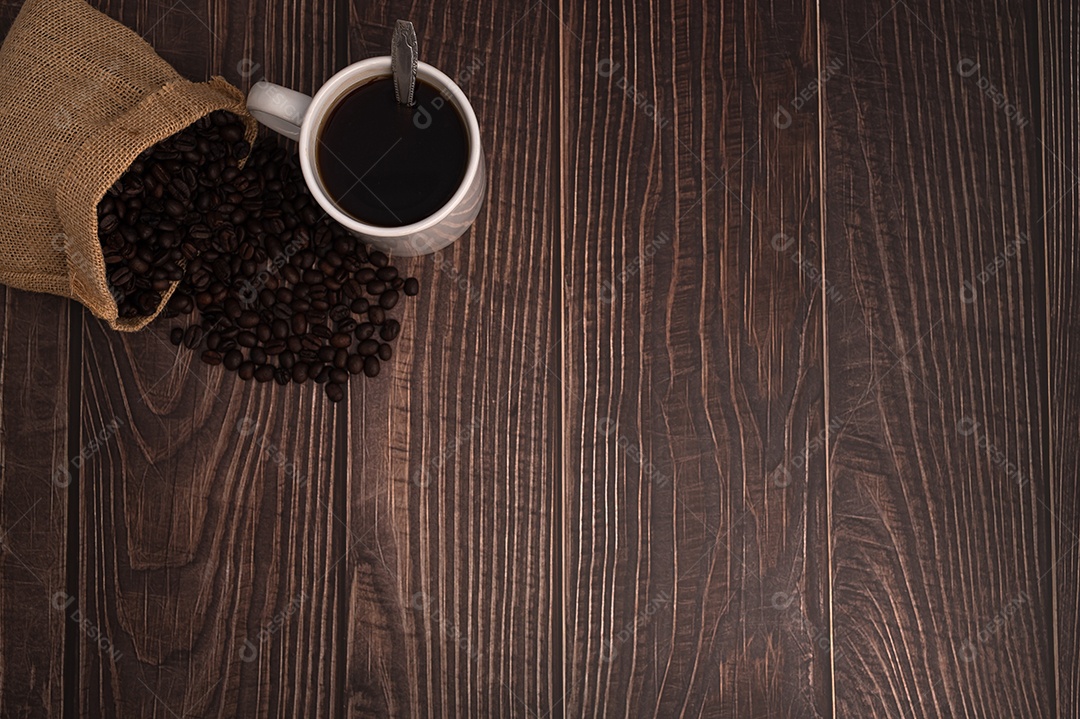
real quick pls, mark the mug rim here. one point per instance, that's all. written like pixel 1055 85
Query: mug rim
pixel 344 80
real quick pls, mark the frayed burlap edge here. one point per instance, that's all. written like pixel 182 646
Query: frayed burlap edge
pixel 155 117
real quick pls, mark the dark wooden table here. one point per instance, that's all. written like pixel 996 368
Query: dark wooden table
pixel 752 393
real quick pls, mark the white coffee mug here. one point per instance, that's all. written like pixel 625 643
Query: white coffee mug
pixel 300 117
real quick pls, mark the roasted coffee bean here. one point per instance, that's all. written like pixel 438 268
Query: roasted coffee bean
pixel 233 359
pixel 300 372
pixel 339 312
pixel 364 330
pixel 341 358
pixel 390 329
pixel 335 392
pixel 388 299
pixel 375 287
pixel 365 275
pixel 257 355
pixel 341 339
pixel 359 306
pixel 377 315
pixel 355 364
pixel 321 330
pixel 386 274
pixel 371 366
pixel 339 375
pixel 211 358
pixel 378 258
pixel 246 370
pixel 263 332
pixel 367 347
pixel 282 376
pixel 247 319
pixel 411 287
pixel 264 373
pixel 193 336
pixel 385 353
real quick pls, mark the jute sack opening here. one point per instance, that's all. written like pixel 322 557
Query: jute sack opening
pixel 80 97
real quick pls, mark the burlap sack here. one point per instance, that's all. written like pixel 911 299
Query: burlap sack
pixel 80 97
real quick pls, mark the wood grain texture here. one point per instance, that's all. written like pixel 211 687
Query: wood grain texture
pixel 939 515
pixel 453 470
pixel 693 362
pixel 1059 42
pixel 36 474
pixel 210 553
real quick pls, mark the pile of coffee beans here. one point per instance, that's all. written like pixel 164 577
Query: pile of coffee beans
pixel 271 287
pixel 147 221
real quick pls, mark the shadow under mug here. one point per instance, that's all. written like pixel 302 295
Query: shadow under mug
pixel 301 118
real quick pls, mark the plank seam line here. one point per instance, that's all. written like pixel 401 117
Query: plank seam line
pixel 825 363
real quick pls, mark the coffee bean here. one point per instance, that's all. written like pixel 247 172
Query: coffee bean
pixel 211 358
pixel 379 259
pixel 367 347
pixel 341 358
pixel 335 392
pixel 364 330
pixel 385 352
pixel 246 370
pixel 376 287
pixel 246 339
pixel 359 306
pixel 411 287
pixel 247 319
pixel 263 332
pixel 377 315
pixel 233 359
pixel 388 299
pixel 341 339
pixel 282 376
pixel 355 364
pixel 300 372
pixel 264 373
pixel 257 355
pixel 390 329
pixel 387 274
pixel 339 375
pixel 371 367
pixel 193 336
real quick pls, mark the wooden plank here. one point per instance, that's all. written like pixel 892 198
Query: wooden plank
pixel 209 549
pixel 1059 49
pixel 453 450
pixel 939 516
pixel 693 361
pixel 36 476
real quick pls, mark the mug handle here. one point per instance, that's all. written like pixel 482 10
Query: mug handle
pixel 279 108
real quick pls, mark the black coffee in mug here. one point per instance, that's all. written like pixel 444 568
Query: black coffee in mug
pixel 388 164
